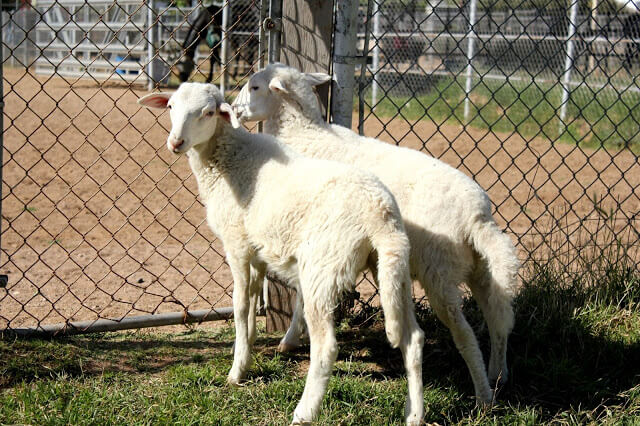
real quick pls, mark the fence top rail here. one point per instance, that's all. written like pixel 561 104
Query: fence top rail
pixel 91 47
pixel 433 36
pixel 129 25
pixel 42 3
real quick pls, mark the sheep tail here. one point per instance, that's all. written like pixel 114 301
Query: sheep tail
pixel 497 269
pixel 394 280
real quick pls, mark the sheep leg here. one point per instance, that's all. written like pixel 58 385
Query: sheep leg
pixel 292 338
pixel 411 347
pixel 450 313
pixel 498 313
pixel 255 287
pixel 324 350
pixel 242 350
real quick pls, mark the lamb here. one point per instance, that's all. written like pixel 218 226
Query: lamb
pixel 453 235
pixel 314 223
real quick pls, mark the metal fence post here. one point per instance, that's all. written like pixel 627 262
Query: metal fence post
pixel 593 26
pixel 375 61
pixel 344 62
pixel 264 4
pixel 150 46
pixel 3 278
pixel 568 65
pixel 224 46
pixel 262 49
pixel 363 70
pixel 470 53
pixel 279 299
pixel 274 26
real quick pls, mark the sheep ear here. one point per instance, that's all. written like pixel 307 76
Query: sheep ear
pixel 316 78
pixel 243 95
pixel 228 114
pixel 155 100
pixel 276 85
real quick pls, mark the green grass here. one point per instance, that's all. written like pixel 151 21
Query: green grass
pixel 599 118
pixel 574 357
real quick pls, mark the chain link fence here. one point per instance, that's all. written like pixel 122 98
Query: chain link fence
pixel 538 101
pixel 99 220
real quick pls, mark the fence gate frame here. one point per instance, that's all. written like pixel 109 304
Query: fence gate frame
pixel 311 35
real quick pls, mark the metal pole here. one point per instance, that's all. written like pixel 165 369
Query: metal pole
pixel 223 48
pixel 274 27
pixel 344 62
pixel 363 68
pixel 594 27
pixel 470 53
pixel 142 321
pixel 3 278
pixel 375 62
pixel 150 49
pixel 10 48
pixel 568 64
pixel 25 40
pixel 262 50
pixel 264 4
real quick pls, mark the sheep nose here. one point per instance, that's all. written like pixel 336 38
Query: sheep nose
pixel 241 111
pixel 175 143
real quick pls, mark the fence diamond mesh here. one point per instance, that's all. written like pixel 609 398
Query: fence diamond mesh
pixel 537 100
pixel 99 220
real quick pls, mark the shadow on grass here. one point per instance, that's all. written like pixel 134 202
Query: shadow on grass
pixel 26 359
pixel 575 347
pixel 575 344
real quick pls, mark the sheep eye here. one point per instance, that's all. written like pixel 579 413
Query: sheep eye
pixel 209 113
pixel 255 87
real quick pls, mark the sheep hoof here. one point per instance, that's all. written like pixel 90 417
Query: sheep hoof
pixel 413 422
pixel 234 381
pixel 485 403
pixel 297 421
pixel 286 347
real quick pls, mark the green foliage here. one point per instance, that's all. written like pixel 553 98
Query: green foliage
pixel 594 119
pixel 181 3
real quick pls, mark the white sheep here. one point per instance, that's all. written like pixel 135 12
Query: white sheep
pixel 311 222
pixel 447 215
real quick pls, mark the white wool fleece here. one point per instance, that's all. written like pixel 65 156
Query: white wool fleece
pixel 314 223
pixel 454 238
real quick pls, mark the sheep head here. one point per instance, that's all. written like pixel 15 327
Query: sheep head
pixel 195 110
pixel 260 98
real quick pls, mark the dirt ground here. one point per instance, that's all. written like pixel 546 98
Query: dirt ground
pixel 100 220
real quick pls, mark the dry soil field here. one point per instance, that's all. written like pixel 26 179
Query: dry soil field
pixel 100 220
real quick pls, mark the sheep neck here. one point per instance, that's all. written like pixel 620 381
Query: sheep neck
pixel 294 114
pixel 212 160
pixel 232 159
